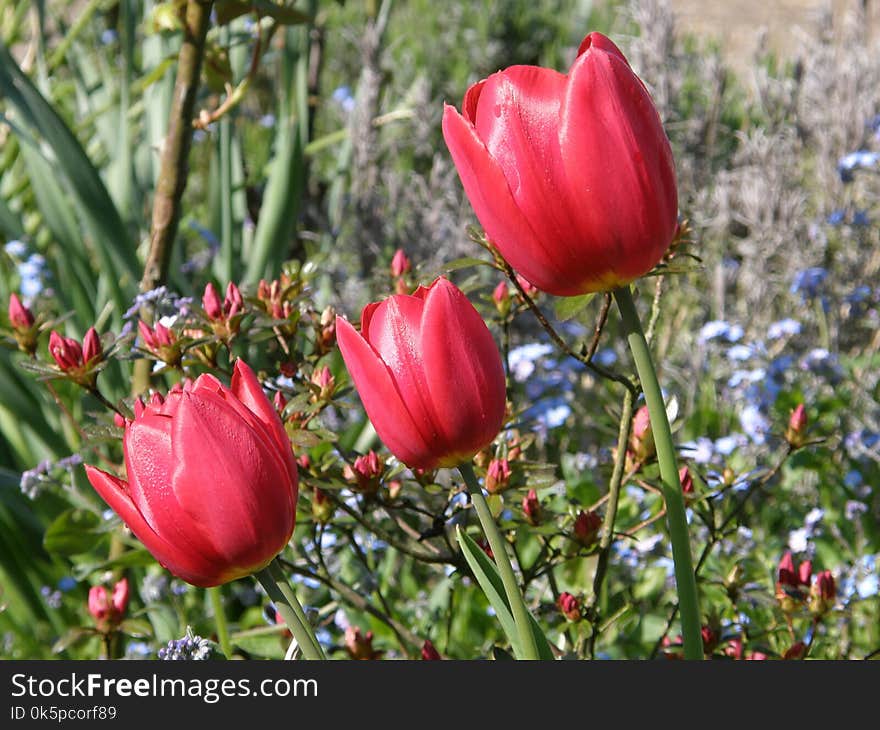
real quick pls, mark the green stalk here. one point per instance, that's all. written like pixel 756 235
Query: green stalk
pixel 685 579
pixel 220 620
pixel 281 578
pixel 517 603
pixel 288 606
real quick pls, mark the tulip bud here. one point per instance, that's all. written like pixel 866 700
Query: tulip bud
pixel 796 432
pixel 400 264
pixel 823 593
pixel 322 507
pixel 641 437
pixel 531 508
pixel 569 606
pixel 586 527
pixel 429 653
pixel 358 645
pixel 497 476
pixel 501 297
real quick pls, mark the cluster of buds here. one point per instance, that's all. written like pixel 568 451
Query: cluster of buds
pixel 735 650
pixel 322 506
pixel 796 433
pixel 531 508
pixel 359 645
pixel 586 527
pixel 225 317
pixel 78 362
pixel 275 300
pixel 710 636
pixel 498 475
pixel 792 585
pixel 429 652
pixel 324 384
pixel 569 606
pixel 24 325
pixel 108 609
pixel 366 473
pixel 162 343
pixel 400 267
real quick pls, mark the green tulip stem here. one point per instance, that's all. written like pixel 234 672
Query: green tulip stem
pixel 499 549
pixel 685 579
pixel 220 620
pixel 273 580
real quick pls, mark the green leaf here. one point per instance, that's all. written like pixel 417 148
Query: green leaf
pixel 138 628
pixel 74 531
pixel 465 262
pixel 570 307
pixel 490 574
pixel 229 10
pixel 486 573
pixel 73 636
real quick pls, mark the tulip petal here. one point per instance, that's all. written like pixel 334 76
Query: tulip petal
pixel 464 373
pixel 187 565
pixel 394 331
pixel 247 389
pixel 382 401
pixel 230 479
pixel 490 195
pixel 618 155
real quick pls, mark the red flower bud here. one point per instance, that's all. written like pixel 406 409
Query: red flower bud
pixel 569 606
pixel 796 432
pixel 641 437
pixel 798 650
pixel 20 317
pixel 687 484
pixel 108 610
pixel 400 264
pixel 92 349
pixel 710 639
pixel 497 476
pixel 532 508
pixel 212 483
pixel 323 379
pixel 530 289
pixel 66 352
pixel 211 303
pixel 429 375
pixel 823 593
pixel 366 471
pixel 534 147
pixel 586 527
pixel 429 653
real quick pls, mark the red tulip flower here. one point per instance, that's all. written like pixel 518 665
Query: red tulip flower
pixel 212 482
pixel 571 176
pixel 428 373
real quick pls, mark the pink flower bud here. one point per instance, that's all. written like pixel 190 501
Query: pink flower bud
pixel 497 476
pixel 687 483
pixel 400 263
pixel 366 471
pixel 569 606
pixel 641 438
pixel 280 402
pixel 211 303
pixel 531 508
pixel 233 303
pixel 92 349
pixel 501 297
pixel 66 352
pixel 108 610
pixel 429 653
pixel 586 527
pixel 20 317
pixel 323 379
pixel 530 289
pixel 796 432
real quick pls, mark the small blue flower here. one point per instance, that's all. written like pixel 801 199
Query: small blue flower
pixel 836 217
pixel 606 357
pixel 521 360
pixel 67 583
pixel 267 121
pixel 342 95
pixel 783 328
pixel 109 36
pixel 700 451
pixel 860 160
pixel 860 219
pixel 726 445
pixel 740 353
pixel 808 281
pixel 745 376
pixel 754 424
pixel 714 329
pixel 859 295
pixel 16 249
pixel 853 479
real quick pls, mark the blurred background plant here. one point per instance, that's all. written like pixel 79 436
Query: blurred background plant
pixel 316 155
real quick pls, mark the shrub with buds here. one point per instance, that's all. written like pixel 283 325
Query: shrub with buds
pixel 324 383
pixel 791 583
pixel 161 342
pixel 366 473
pixel 75 361
pixel 225 317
